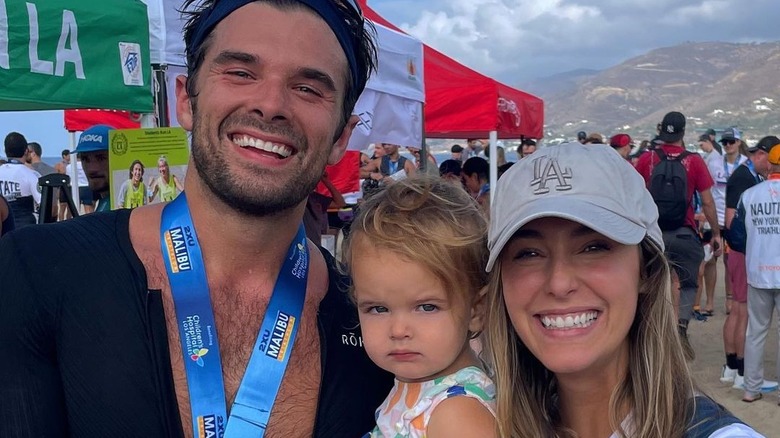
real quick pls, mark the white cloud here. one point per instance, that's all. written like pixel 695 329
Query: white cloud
pixel 517 40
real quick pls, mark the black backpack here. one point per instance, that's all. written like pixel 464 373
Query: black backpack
pixel 669 188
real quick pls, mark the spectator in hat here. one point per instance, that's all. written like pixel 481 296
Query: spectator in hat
pixel 92 149
pixel 582 136
pixel 758 207
pixel 712 135
pixel 683 247
pixel 594 138
pixel 744 176
pixel 622 144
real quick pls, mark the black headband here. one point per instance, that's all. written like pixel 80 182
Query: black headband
pixel 326 9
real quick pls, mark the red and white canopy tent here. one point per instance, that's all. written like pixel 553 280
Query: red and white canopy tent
pixel 462 103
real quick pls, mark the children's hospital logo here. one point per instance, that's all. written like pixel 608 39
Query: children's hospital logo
pixel 193 339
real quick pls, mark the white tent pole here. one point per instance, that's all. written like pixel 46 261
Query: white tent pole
pixel 74 172
pixel 493 164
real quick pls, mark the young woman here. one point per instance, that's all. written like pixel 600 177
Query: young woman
pixel 580 329
pixel 166 183
pixel 420 298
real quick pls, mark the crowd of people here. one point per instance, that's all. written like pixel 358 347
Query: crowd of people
pixel 555 304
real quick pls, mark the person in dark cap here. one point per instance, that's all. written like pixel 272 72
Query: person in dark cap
pixel 712 135
pixel 582 136
pixel 92 148
pixel 745 175
pixel 681 238
pixel 182 328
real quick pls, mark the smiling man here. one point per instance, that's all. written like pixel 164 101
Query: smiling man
pixel 211 314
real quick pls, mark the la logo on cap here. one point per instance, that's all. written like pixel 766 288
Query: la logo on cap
pixel 548 169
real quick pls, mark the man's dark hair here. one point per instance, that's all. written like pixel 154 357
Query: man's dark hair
pixel 15 145
pixel 361 37
pixel 133 165
pixel 36 148
pixel 477 165
pixel 450 166
pixel 65 153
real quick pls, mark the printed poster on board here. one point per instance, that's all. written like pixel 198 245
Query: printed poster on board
pixel 147 165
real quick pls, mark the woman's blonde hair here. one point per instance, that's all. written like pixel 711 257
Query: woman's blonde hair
pixel 656 388
pixel 431 222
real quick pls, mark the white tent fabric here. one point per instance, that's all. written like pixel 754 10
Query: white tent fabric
pixel 390 109
pixel 165 28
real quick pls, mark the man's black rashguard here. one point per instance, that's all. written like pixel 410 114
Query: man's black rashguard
pixel 85 349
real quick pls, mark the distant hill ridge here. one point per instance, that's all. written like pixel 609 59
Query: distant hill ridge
pixel 713 84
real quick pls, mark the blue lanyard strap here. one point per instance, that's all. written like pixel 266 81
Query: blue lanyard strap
pixel 752 168
pixel 198 333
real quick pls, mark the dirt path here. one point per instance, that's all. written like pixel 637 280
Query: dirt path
pixel 707 339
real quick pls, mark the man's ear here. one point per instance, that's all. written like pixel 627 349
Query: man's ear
pixel 183 103
pixel 340 146
pixel 478 307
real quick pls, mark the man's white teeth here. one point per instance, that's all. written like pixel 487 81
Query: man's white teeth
pixel 247 141
pixel 581 320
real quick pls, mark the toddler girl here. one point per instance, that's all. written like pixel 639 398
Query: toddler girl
pixel 417 253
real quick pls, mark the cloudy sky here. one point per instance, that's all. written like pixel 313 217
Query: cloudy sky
pixel 518 40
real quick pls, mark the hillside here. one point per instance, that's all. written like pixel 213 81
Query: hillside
pixel 714 84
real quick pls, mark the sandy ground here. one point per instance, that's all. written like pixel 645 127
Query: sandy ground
pixel 707 339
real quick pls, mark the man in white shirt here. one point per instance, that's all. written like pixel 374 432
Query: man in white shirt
pixel 760 208
pixel 19 183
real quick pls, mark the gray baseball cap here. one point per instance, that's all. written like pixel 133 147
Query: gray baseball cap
pixel 588 184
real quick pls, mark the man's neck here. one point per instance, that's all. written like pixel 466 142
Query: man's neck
pixel 732 157
pixel 35 160
pixel 239 244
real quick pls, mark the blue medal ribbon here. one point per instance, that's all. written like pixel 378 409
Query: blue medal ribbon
pixel 198 334
pixel 752 168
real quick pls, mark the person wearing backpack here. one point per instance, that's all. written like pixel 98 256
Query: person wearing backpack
pixel 672 175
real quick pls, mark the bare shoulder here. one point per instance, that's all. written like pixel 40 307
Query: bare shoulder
pixel 462 417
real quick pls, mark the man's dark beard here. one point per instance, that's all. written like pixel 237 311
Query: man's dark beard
pixel 214 173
